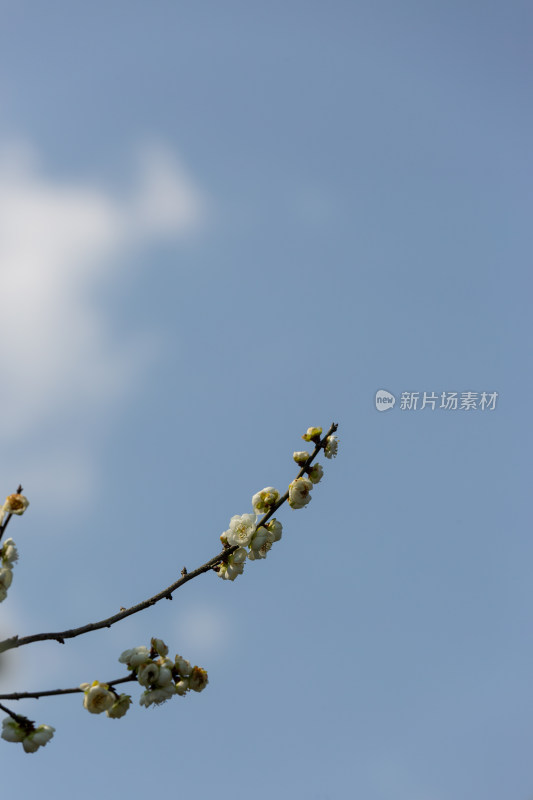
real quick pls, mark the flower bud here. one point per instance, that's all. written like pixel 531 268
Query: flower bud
pixel 312 435
pixel 301 457
pixel 159 646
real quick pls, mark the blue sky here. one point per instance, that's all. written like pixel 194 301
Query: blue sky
pixel 220 224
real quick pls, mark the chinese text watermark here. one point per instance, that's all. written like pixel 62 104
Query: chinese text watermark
pixel 447 401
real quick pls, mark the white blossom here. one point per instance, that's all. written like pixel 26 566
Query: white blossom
pixel 15 504
pixel 9 552
pixel 198 679
pixel 315 473
pixel 182 686
pixel 159 646
pixel 38 738
pixel 119 707
pixel 135 657
pixel 6 576
pixel 261 543
pixel 165 676
pixel 241 530
pixel 183 667
pixel 97 697
pixel 13 731
pixel 148 674
pixel 157 696
pixel 275 527
pixel 300 492
pixel 263 500
pixel 234 565
pixel 301 457
pixel 332 444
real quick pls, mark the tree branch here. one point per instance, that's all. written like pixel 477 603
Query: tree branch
pixel 16 641
pixel 50 692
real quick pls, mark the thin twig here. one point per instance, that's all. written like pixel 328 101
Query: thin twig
pixel 12 714
pixel 50 692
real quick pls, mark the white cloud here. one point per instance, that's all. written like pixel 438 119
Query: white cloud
pixel 60 244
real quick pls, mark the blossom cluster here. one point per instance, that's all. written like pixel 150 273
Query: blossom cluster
pixel 159 675
pixel 98 697
pixel 23 730
pixel 252 539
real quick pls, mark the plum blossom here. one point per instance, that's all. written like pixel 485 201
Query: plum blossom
pixel 263 500
pixel 241 530
pixel 234 565
pixel 300 492
pixel 8 552
pixel 332 444
pixel 198 679
pixel 6 577
pixel 182 686
pixel 159 646
pixel 135 657
pixel 158 695
pixel 275 527
pixel 119 707
pixel 183 667
pixel 24 731
pixel 148 674
pixel 97 697
pixel 38 738
pixel 315 473
pixel 15 504
pixel 260 544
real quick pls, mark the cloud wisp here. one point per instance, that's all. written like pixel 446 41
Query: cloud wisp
pixel 61 243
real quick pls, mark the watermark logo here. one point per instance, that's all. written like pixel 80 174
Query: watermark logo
pixel 384 400
pixel 446 401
